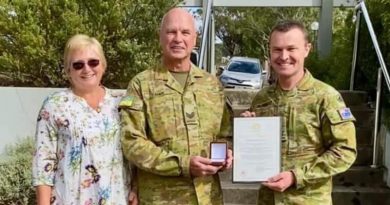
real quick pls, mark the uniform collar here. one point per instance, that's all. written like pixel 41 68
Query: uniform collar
pixel 162 73
pixel 305 84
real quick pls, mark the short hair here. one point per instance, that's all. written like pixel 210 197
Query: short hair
pixel 287 25
pixel 79 42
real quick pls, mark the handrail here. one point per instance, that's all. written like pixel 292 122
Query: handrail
pixel 382 72
pixel 355 50
pixel 363 8
pixel 206 22
pixel 376 123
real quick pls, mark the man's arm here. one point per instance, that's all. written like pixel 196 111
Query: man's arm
pixel 338 135
pixel 137 147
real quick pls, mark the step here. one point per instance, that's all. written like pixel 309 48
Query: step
pixel 246 194
pixel 352 98
pixel 354 176
pixel 357 195
pixel 364 135
pixel 361 176
pixel 365 117
pixel 239 193
pixel 364 156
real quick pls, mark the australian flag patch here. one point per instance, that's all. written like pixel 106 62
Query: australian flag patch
pixel 345 113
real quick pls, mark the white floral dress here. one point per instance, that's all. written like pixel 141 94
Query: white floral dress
pixel 78 151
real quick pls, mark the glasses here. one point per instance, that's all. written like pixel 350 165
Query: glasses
pixel 78 65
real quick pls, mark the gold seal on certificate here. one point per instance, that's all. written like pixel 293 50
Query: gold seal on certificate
pixel 256 146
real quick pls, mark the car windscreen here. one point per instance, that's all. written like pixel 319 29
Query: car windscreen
pixel 244 67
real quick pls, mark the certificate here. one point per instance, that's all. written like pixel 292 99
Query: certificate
pixel 256 147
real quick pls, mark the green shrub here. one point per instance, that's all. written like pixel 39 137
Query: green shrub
pixel 15 178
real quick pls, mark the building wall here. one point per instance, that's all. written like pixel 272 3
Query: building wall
pixel 19 109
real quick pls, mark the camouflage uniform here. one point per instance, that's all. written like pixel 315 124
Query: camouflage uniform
pixel 163 125
pixel 318 139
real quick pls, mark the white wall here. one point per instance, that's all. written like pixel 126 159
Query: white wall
pixel 19 110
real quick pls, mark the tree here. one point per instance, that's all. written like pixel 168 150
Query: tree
pixel 368 64
pixel 335 69
pixel 33 34
pixel 244 31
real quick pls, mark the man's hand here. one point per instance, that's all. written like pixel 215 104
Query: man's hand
pixel 133 199
pixel 280 182
pixel 200 166
pixel 229 160
pixel 248 114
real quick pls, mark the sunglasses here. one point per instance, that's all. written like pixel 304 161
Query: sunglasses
pixel 78 65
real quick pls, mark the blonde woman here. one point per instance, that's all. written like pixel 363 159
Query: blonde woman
pixel 78 157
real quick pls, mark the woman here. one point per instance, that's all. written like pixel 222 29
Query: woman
pixel 78 157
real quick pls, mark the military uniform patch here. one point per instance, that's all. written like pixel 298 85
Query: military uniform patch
pixel 345 113
pixel 126 101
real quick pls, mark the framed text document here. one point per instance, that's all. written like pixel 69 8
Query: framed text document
pixel 257 148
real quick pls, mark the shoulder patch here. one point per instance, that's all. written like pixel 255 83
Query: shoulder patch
pixel 126 101
pixel 345 113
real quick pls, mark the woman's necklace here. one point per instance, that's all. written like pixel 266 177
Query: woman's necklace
pixel 100 101
pixel 100 105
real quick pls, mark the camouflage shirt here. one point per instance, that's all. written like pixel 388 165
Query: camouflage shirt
pixel 318 139
pixel 163 125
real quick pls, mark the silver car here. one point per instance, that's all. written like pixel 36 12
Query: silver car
pixel 242 72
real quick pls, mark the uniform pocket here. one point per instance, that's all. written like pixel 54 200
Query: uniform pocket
pixel 304 134
pixel 163 118
pixel 265 109
pixel 210 106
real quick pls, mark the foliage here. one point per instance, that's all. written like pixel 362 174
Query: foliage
pixel 15 178
pixel 335 69
pixel 368 64
pixel 33 34
pixel 244 31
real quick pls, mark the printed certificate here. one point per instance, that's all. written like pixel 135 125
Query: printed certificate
pixel 256 148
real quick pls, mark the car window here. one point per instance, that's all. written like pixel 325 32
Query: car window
pixel 244 67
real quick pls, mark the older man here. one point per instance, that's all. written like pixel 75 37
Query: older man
pixel 170 115
pixel 318 134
